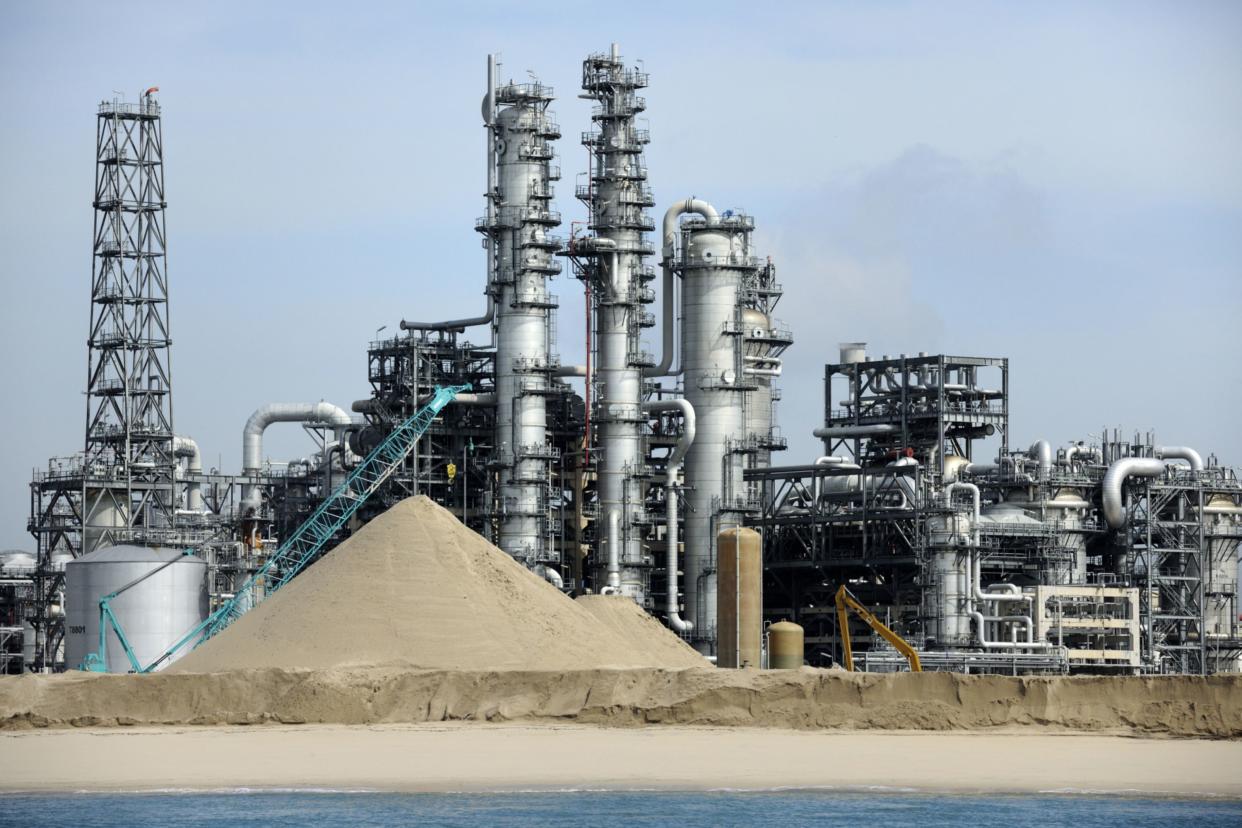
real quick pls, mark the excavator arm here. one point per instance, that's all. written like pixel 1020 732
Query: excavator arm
pixel 845 602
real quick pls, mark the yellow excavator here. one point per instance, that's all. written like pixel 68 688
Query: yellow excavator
pixel 846 601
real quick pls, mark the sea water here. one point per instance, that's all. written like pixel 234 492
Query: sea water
pixel 587 808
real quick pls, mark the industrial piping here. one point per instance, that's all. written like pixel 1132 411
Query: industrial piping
pixel 690 205
pixel 1041 451
pixel 1009 593
pixel 489 110
pixel 1181 453
pixel 252 435
pixel 1115 478
pixel 671 468
pixel 855 431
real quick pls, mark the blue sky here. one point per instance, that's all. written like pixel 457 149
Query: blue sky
pixel 1057 183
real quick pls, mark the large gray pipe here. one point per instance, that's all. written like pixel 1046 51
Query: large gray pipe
pixel 690 205
pixel 671 468
pixel 855 431
pixel 1041 451
pixel 186 447
pixel 489 118
pixel 454 324
pixel 1181 453
pixel 252 436
pixel 1115 478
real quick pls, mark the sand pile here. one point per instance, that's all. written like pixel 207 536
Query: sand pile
pixel 807 699
pixel 416 587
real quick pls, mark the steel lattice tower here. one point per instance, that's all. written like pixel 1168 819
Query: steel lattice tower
pixel 129 465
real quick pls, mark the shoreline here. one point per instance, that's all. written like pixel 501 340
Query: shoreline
pixel 513 757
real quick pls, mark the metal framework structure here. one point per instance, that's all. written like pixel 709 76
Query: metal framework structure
pixel 1167 549
pixel 915 403
pixel 129 466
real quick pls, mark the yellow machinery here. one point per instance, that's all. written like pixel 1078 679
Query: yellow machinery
pixel 846 601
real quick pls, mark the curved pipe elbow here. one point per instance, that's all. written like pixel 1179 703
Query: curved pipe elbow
pixel 252 434
pixel 1041 451
pixel 1181 453
pixel 454 324
pixel 1114 480
pixel 690 205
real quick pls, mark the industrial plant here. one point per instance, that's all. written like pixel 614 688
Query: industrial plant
pixel 925 535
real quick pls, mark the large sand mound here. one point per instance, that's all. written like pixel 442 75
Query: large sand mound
pixel 416 587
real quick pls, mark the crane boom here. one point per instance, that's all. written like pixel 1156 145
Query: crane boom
pixel 846 601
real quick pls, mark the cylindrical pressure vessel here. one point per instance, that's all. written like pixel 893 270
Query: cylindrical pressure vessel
pixel 739 598
pixel 785 643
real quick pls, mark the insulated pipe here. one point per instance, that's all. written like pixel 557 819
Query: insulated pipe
pixel 1075 450
pixel 614 553
pixel 186 447
pixel 489 118
pixel 252 435
pixel 475 399
pixel 669 240
pixel 454 324
pixel 981 620
pixel 855 431
pixel 1041 450
pixel 671 467
pixel 1181 453
pixel 550 575
pixel 1115 478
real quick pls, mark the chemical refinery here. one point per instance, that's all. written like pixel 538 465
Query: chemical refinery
pixel 649 475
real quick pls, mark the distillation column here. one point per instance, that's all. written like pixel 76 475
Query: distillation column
pixel 618 196
pixel 714 263
pixel 518 226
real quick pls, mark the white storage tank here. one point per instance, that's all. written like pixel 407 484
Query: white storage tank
pixel 154 614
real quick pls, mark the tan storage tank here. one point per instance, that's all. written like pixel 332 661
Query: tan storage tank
pixel 785 646
pixel 739 598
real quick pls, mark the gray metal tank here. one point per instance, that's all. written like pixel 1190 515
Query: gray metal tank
pixel 154 614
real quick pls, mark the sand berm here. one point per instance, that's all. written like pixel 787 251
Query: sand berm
pixel 416 618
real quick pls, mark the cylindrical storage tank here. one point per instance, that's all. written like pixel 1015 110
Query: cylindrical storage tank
pixel 785 645
pixel 154 613
pixel 853 352
pixel 739 598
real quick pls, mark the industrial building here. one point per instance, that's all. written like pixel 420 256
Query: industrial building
pixel 1105 555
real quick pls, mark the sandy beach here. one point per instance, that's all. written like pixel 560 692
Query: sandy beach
pixel 473 757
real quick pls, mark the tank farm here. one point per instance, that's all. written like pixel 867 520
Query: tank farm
pixel 925 535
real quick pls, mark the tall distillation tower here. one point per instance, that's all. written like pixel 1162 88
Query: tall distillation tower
pixel 618 197
pixel 129 464
pixel 521 249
